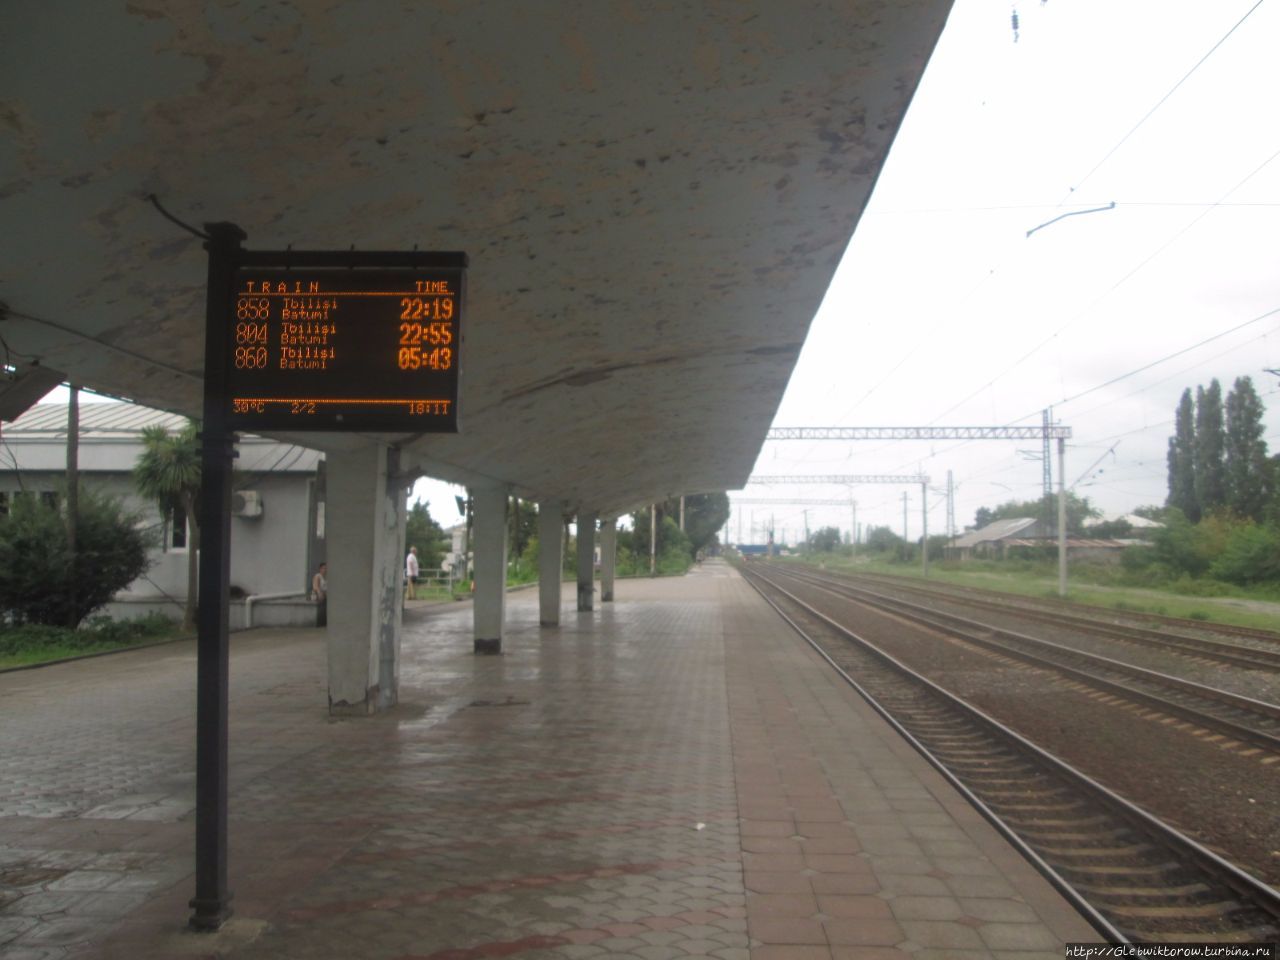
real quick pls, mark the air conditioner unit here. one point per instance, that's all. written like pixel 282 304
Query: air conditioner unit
pixel 246 503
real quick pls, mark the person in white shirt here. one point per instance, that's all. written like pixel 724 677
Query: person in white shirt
pixel 411 574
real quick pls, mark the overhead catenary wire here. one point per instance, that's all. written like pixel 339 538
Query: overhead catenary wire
pixel 995 208
pixel 1159 103
pixel 1110 290
pixel 1007 465
pixel 1182 372
pixel 1171 356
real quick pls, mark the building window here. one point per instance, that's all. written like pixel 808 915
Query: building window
pixel 49 498
pixel 4 503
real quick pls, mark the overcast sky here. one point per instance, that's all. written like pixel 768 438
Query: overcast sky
pixel 944 312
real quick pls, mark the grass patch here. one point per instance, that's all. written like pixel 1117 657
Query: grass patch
pixel 35 643
pixel 1039 581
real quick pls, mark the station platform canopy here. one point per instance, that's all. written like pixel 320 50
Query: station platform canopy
pixel 653 198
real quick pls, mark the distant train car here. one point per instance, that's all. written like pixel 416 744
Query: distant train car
pixel 752 551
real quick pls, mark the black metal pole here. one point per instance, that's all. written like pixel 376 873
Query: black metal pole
pixel 211 905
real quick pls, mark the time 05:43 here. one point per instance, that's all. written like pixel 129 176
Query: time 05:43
pixel 416 358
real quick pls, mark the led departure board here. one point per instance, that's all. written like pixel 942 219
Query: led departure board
pixel 346 348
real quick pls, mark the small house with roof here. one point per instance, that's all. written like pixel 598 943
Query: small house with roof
pixel 277 523
pixel 1023 535
pixel 993 539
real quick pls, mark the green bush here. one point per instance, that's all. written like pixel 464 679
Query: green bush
pixel 36 636
pixel 96 632
pixel 39 583
pixel 676 554
pixel 106 630
pixel 1200 587
pixel 1191 548
pixel 1251 554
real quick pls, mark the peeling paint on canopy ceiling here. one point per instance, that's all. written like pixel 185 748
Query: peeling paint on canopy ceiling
pixel 654 197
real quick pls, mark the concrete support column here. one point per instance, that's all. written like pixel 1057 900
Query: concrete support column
pixel 586 559
pixel 550 560
pixel 365 543
pixel 608 558
pixel 489 505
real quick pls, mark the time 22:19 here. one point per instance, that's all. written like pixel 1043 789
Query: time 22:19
pixel 416 308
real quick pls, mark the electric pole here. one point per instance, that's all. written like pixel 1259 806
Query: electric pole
pixel 853 529
pixel 951 507
pixel 1062 517
pixel 906 544
pixel 653 540
pixel 73 494
pixel 1046 456
pixel 924 528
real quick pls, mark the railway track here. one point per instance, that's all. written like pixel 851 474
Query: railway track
pixel 1261 653
pixel 1251 721
pixel 1135 878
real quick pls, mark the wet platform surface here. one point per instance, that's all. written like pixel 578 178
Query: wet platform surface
pixel 674 774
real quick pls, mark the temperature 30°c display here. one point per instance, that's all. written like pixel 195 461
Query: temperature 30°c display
pixel 345 349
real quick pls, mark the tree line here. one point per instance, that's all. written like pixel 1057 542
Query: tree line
pixel 1217 459
pixel 1222 516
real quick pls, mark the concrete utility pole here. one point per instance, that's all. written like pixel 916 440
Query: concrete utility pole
pixel 951 507
pixel 1046 456
pixel 682 513
pixel 906 544
pixel 853 530
pixel 467 551
pixel 806 529
pixel 924 525
pixel 653 540
pixel 73 494
pixel 513 551
pixel 1062 517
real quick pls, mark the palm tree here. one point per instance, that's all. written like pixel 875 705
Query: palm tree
pixel 168 472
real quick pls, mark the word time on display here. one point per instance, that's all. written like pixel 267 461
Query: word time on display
pixel 345 349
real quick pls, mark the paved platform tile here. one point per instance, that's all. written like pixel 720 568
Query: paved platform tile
pixel 672 775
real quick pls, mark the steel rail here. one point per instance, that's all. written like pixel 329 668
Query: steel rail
pixel 1242 655
pixel 946 621
pixel 1251 888
pixel 1087 910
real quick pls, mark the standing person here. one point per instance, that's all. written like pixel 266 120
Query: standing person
pixel 411 574
pixel 320 594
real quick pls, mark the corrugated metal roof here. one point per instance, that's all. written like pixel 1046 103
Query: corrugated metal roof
pixel 999 530
pixel 1132 519
pixel 96 420
pixel 1076 542
pixel 110 438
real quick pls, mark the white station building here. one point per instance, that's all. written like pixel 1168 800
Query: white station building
pixel 277 523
